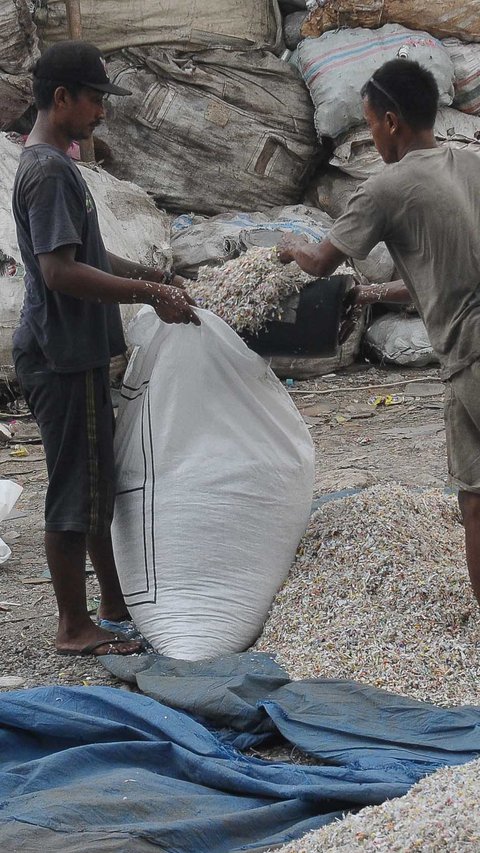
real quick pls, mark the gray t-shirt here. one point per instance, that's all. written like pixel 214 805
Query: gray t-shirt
pixel 427 210
pixel 53 207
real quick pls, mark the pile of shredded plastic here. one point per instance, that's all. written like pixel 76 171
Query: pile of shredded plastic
pixel 440 814
pixel 380 593
pixel 247 291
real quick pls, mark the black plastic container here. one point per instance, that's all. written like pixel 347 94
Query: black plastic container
pixel 310 321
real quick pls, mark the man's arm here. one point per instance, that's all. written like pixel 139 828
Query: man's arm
pixel 318 259
pixel 130 269
pixel 63 273
pixel 392 291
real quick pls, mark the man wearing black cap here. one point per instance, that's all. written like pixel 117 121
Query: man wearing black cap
pixel 69 329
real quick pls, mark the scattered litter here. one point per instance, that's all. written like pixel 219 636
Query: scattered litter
pixel 427 389
pixel 36 580
pixel 19 451
pixel 363 387
pixel 5 434
pixel 11 681
pixel 386 400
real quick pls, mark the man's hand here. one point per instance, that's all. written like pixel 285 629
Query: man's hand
pixel 173 305
pixel 287 245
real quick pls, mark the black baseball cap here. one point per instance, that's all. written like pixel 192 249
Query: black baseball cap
pixel 76 62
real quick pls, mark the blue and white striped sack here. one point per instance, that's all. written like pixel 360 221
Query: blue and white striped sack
pixel 336 65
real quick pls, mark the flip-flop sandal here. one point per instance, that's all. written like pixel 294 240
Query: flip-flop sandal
pixel 90 648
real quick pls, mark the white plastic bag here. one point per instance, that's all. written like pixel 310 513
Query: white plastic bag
pixel 214 485
pixel 9 494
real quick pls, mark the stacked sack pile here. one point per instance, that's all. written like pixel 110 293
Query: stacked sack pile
pixel 337 45
pixel 219 127
pixel 18 52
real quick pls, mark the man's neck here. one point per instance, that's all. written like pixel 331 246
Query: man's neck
pixel 46 133
pixel 423 140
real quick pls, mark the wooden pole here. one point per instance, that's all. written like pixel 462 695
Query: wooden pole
pixel 74 25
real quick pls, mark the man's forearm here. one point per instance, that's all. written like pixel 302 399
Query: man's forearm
pixel 392 291
pixel 131 269
pixel 317 259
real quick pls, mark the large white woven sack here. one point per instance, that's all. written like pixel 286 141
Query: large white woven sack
pixel 336 65
pixel 214 486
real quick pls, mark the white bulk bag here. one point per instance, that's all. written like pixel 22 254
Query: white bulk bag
pixel 214 485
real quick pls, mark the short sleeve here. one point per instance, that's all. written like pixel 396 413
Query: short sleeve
pixel 56 211
pixel 361 226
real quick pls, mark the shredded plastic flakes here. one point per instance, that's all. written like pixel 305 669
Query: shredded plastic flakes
pixel 438 815
pixel 380 593
pixel 247 291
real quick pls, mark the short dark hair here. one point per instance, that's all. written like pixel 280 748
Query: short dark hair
pixel 44 90
pixel 407 88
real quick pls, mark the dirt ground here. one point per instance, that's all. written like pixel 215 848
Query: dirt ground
pixel 357 443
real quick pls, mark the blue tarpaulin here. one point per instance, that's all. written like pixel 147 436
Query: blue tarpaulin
pixel 101 769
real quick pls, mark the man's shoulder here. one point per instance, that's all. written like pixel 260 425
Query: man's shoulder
pixel 45 161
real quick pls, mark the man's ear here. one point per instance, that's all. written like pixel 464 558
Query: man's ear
pixel 392 122
pixel 61 97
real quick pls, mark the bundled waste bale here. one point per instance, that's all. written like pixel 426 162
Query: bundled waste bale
pixel 212 132
pixel 184 24
pixel 336 65
pixel 19 43
pixel 466 62
pixel 289 5
pixel 131 226
pixel 198 241
pixel 292 29
pixel 18 52
pixel 355 153
pixel 215 479
pixel 15 97
pixel 399 339
pixel 330 190
pixel 442 18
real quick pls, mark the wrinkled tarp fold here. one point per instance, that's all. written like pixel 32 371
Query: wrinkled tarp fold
pixel 118 771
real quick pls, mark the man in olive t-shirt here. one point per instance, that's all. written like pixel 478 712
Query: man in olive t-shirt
pixel 425 205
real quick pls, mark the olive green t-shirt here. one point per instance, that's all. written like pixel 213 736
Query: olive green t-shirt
pixel 427 210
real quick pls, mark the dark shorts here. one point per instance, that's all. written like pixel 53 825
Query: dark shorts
pixel 75 416
pixel 462 423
